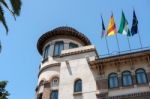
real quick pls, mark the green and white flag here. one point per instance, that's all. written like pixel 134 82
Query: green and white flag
pixel 124 29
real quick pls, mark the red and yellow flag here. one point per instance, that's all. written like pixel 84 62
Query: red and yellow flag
pixel 111 27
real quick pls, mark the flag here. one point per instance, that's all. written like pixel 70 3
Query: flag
pixel 134 28
pixel 111 27
pixel 103 29
pixel 124 29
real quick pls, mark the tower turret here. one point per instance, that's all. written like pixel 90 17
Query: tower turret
pixel 64 53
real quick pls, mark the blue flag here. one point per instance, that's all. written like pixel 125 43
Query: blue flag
pixel 103 29
pixel 134 28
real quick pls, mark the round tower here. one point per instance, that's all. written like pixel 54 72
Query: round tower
pixel 50 46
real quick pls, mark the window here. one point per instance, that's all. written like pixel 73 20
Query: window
pixel 54 94
pixel 78 86
pixel 141 76
pixel 55 82
pixel 40 96
pixel 59 46
pixel 46 52
pixel 72 45
pixel 41 82
pixel 126 78
pixel 113 80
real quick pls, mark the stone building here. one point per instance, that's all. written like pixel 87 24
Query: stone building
pixel 72 69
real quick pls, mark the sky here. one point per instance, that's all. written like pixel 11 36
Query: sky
pixel 19 59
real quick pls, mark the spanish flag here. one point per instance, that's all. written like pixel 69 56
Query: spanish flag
pixel 111 27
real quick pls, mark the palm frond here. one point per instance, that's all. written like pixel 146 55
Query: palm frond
pixel 16 5
pixel 0 47
pixel 5 4
pixel 2 19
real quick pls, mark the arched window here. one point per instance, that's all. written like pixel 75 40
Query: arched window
pixel 113 80
pixel 41 82
pixel 54 94
pixel 72 45
pixel 78 85
pixel 58 47
pixel 141 76
pixel 46 52
pixel 126 78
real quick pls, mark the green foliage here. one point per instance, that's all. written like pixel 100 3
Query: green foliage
pixel 2 19
pixel 15 11
pixel 16 5
pixel 3 92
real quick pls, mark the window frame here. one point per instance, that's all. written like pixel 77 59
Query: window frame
pixel 46 51
pixel 109 81
pixel 53 92
pixel 144 74
pixel 76 85
pixel 59 43
pixel 71 43
pixel 130 74
pixel 53 83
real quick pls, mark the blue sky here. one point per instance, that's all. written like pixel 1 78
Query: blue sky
pixel 19 60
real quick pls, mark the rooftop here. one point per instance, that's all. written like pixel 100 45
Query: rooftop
pixel 131 54
pixel 64 30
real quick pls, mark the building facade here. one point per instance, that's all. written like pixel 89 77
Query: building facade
pixel 72 69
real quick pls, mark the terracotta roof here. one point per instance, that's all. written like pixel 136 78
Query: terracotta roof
pixel 61 31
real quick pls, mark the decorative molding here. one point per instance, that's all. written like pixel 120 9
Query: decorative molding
pixel 131 63
pixel 48 66
pixel 77 93
pixel 117 64
pixel 46 84
pixel 148 60
pixel 44 60
pixel 122 58
pixel 131 95
pixel 78 52
pixel 104 95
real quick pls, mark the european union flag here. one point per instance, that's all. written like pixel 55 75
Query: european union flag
pixel 134 28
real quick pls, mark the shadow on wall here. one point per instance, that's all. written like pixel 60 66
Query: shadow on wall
pixel 69 68
pixel 78 97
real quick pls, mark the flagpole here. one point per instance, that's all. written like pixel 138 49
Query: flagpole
pixel 107 45
pixel 131 63
pixel 116 34
pixel 117 43
pixel 103 30
pixel 140 39
pixel 129 44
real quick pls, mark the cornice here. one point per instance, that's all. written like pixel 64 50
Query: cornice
pixel 48 66
pixel 121 58
pixel 78 52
